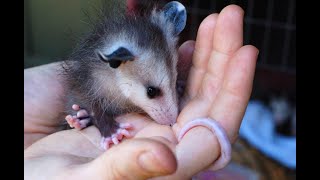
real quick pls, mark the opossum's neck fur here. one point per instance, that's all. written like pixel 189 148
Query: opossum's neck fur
pixel 121 90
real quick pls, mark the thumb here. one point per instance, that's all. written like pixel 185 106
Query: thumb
pixel 132 159
pixel 183 68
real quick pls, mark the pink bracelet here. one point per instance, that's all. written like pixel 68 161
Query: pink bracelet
pixel 221 135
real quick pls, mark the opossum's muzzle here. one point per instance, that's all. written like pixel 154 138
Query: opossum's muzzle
pixel 165 116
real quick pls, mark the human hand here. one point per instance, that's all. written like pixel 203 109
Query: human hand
pixel 219 87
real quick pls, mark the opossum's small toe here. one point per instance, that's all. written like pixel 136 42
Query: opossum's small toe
pixel 105 143
pixel 124 132
pixel 115 139
pixel 74 123
pixel 77 123
pixel 82 113
pixel 69 120
pixel 84 122
pixel 76 107
pixel 68 117
pixel 80 120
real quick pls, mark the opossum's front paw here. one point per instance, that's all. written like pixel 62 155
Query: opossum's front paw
pixel 80 120
pixel 122 131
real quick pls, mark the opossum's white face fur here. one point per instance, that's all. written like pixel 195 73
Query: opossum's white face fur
pixel 143 58
pixel 152 87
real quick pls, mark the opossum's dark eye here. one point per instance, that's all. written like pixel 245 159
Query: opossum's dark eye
pixel 114 64
pixel 153 92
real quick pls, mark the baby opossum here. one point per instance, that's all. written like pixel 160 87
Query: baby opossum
pixel 127 64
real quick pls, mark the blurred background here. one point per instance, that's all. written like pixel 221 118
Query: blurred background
pixel 266 147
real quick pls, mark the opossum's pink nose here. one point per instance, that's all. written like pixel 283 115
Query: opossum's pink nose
pixel 166 120
pixel 164 116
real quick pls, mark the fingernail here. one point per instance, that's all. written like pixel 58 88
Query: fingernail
pixel 149 162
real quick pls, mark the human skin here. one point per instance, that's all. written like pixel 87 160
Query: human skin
pixel 218 86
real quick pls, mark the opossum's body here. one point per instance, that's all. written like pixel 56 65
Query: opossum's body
pixel 128 64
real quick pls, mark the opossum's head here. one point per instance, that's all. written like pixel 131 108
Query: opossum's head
pixel 143 57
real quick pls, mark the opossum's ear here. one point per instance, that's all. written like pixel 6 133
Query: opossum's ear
pixel 176 13
pixel 121 55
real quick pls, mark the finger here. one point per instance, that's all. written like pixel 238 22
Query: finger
pixel 201 55
pixel 132 159
pixel 228 34
pixel 197 150
pixel 230 104
pixel 228 38
pixel 185 59
pixel 196 108
pixel 183 68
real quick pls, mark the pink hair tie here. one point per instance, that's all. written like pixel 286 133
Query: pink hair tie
pixel 221 135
